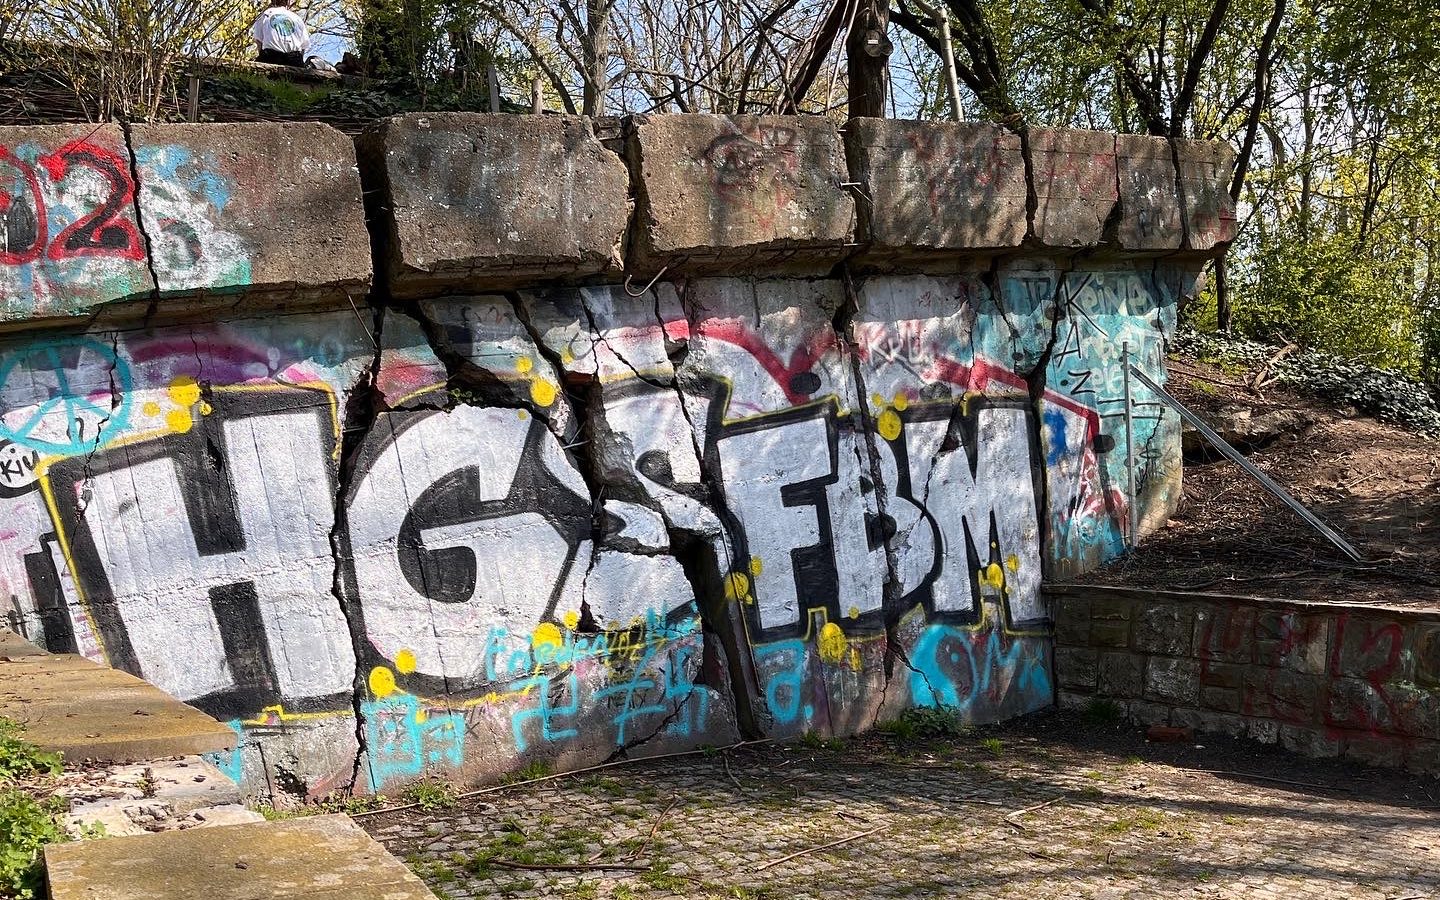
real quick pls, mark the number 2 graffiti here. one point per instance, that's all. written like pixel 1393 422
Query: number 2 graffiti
pixel 25 218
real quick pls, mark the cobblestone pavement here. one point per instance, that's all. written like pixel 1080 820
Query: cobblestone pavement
pixel 1036 810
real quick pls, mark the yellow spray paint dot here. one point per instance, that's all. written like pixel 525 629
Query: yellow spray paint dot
pixel 184 391
pixel 853 612
pixel 421 716
pixel 900 402
pixel 889 425
pixel 382 681
pixel 405 662
pixel 179 420
pixel 542 392
pixel 522 414
pixel 151 409
pixel 524 364
pixel 992 576
pixel 737 586
pixel 832 643
pixel 547 634
pixel 567 356
pixel 855 659
pixel 572 618
pixel 205 408
pixel 877 401
pixel 1012 562
pixel 756 565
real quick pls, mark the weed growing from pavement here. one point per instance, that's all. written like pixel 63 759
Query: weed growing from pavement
pixel 430 796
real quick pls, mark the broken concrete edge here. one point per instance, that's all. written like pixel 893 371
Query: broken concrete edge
pixel 131 222
pixel 780 195
pixel 461 202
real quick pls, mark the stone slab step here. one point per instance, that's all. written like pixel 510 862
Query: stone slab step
pixel 88 711
pixel 325 857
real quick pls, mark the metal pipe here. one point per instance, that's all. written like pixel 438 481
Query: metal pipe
pixel 947 56
pixel 1237 457
pixel 1134 503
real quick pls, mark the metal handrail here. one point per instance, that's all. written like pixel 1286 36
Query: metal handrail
pixel 1237 457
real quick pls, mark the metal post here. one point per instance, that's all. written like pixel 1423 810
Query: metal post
pixel 1130 451
pixel 193 107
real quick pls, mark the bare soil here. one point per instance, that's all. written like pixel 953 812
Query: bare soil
pixel 1376 484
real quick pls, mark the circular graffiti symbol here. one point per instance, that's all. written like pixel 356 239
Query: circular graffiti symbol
pixel 46 405
pixel 18 467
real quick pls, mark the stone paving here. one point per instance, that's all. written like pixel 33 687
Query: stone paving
pixel 1031 811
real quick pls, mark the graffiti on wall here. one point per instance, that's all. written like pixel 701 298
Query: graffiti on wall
pixel 69 236
pixel 511 556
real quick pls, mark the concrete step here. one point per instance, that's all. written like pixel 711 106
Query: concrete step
pixel 88 711
pixel 323 858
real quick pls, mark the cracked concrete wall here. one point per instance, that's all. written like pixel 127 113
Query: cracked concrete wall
pixel 507 511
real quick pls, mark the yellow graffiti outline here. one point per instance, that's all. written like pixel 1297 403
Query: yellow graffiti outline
pixel 42 473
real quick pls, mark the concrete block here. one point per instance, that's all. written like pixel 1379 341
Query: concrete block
pixel 1427 655
pixel 1376 749
pixel 1121 674
pixel 938 186
pixel 319 857
pixel 1377 650
pixel 1109 633
pixel 1076 668
pixel 88 711
pixel 471 201
pixel 1423 756
pixel 1163 627
pixel 1277 693
pixel 1221 675
pixel 1145 713
pixel 1209 722
pixel 13 645
pixel 1072 621
pixel 1417 709
pixel 1075 185
pixel 1223 699
pixel 1172 681
pixel 1149 202
pixel 254 208
pixel 1224 633
pixel 1266 731
pixel 1293 641
pixel 1352 703
pixel 715 190
pixel 1205 171
pixel 70 241
pixel 1311 742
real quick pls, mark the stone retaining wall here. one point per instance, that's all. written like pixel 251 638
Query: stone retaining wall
pixel 1320 679
pixel 682 430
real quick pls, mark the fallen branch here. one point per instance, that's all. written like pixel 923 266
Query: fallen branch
pixel 1312 784
pixel 1010 818
pixel 654 828
pixel 529 781
pixel 799 853
pixel 567 867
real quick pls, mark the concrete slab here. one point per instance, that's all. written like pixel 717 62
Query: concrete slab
pixel 13 646
pixel 320 857
pixel 88 711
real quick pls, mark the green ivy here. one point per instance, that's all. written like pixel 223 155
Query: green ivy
pixel 19 759
pixel 26 826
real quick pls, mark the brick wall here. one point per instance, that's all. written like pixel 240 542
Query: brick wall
pixel 1324 680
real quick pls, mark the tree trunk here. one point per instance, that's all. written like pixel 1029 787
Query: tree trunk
pixel 1222 295
pixel 868 59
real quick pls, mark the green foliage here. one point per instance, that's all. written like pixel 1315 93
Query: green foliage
pixel 430 795
pixel 994 746
pixel 925 722
pixel 26 826
pixel 536 768
pixel 19 759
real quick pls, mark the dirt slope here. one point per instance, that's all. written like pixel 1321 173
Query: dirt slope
pixel 1376 484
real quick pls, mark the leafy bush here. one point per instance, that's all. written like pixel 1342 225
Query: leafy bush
pixel 26 826
pixel 19 759
pixel 925 722
pixel 1388 395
